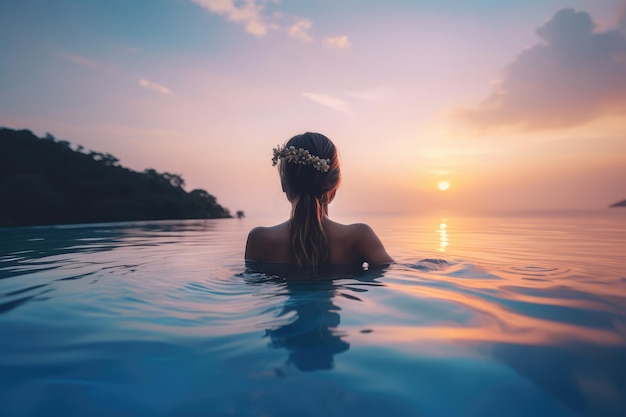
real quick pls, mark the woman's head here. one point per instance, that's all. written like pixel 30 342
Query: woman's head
pixel 310 176
pixel 304 179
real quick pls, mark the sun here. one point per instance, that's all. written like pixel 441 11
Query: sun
pixel 443 185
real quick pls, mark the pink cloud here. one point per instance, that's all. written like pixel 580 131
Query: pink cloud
pixel 330 102
pixel 80 60
pixel 300 30
pixel 248 14
pixel 337 42
pixel 574 75
pixel 151 85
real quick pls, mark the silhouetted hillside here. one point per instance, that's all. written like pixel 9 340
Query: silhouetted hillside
pixel 619 204
pixel 45 181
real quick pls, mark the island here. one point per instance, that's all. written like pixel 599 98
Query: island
pixel 45 181
pixel 619 204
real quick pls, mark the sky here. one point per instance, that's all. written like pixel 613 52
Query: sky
pixel 518 105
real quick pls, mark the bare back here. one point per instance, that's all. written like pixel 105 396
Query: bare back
pixel 349 244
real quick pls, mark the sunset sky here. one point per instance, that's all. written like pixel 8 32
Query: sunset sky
pixel 516 104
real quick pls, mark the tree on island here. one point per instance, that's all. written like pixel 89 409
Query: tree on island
pixel 619 204
pixel 45 181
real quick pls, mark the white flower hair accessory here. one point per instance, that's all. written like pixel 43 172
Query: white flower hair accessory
pixel 300 156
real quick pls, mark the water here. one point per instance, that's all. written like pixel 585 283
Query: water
pixel 484 316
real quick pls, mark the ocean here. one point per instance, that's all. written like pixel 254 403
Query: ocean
pixel 501 315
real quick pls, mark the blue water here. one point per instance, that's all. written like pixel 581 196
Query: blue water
pixel 507 316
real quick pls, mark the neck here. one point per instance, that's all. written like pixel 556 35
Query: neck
pixel 324 209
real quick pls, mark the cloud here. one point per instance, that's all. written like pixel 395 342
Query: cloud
pixel 372 95
pixel 149 85
pixel 574 75
pixel 337 42
pixel 80 60
pixel 247 13
pixel 330 102
pixel 252 15
pixel 300 30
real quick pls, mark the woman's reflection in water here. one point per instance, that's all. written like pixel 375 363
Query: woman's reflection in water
pixel 313 337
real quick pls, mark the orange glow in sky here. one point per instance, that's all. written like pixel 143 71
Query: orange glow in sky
pixel 486 98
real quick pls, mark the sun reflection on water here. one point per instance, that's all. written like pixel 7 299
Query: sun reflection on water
pixel 443 235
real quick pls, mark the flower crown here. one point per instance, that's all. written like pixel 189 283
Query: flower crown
pixel 300 156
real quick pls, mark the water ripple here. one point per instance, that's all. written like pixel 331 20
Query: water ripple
pixel 536 270
pixel 146 314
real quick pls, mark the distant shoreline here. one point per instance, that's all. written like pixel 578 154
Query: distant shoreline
pixel 51 182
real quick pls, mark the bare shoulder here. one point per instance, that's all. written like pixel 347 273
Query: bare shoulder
pixel 362 229
pixel 261 238
pixel 364 233
pixel 370 244
pixel 363 241
pixel 259 233
pixel 357 231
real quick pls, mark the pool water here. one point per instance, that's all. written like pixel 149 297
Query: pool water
pixel 480 316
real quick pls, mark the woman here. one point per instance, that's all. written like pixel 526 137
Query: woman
pixel 310 175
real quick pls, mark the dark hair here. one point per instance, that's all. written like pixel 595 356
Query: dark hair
pixel 310 190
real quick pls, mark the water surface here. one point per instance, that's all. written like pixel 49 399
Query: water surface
pixel 485 316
